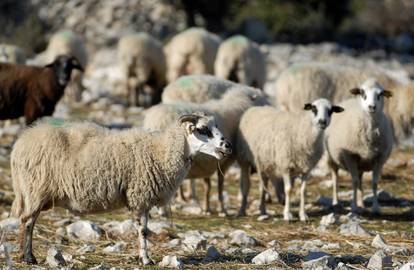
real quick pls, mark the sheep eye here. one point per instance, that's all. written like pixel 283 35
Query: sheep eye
pixel 205 131
pixel 363 95
pixel 330 111
pixel 314 110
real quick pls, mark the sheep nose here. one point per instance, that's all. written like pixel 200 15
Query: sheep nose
pixel 372 107
pixel 322 121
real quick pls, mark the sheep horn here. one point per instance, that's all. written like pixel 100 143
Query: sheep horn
pixel 189 118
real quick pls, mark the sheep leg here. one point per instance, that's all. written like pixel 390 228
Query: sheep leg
pixel 355 182
pixel 207 189
pixel 193 191
pixel 26 238
pixel 279 190
pixel 143 233
pixel 220 177
pixel 334 175
pixel 244 188
pixel 264 180
pixel 287 215
pixel 302 213
pixel 376 174
pixel 360 199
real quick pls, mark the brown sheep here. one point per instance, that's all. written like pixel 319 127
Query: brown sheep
pixel 33 91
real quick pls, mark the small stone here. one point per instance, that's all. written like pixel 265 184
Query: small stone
pixel 173 243
pixel 331 246
pixel 124 228
pixel 319 260
pixel 328 220
pixel 84 230
pixel 194 242
pixel 353 228
pixel 158 226
pixel 86 249
pixel 171 262
pixel 116 248
pixel 241 238
pixel 266 257
pixel 10 225
pixel 274 244
pixel 62 222
pixel 379 242
pixel 380 261
pixel 55 258
pixel 263 217
pixel 212 254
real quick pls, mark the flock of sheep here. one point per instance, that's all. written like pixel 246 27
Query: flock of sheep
pixel 201 126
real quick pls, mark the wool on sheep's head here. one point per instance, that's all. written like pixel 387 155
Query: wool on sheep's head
pixel 203 136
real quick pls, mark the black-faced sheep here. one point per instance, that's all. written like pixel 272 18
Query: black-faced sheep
pixel 66 42
pixel 88 169
pixel 33 91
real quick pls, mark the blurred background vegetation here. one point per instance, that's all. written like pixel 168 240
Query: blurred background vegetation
pixel 362 24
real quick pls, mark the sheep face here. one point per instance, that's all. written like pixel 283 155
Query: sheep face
pixel 322 110
pixel 63 66
pixel 204 136
pixel 371 95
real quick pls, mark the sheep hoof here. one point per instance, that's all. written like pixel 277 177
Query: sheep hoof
pixel 207 212
pixel 288 216
pixel 223 213
pixel 147 261
pixel 242 213
pixel 304 217
pixel 29 259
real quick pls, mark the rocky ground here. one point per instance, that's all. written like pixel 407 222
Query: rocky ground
pixel 191 240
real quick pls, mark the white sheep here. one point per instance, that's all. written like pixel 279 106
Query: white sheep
pixel 284 145
pixel 227 112
pixel 89 169
pixel 12 54
pixel 303 82
pixel 192 51
pixel 196 89
pixel 142 61
pixel 360 140
pixel 66 42
pixel 240 60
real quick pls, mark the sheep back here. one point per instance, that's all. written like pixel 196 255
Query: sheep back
pixel 240 60
pixel 196 89
pixel 192 51
pixel 278 141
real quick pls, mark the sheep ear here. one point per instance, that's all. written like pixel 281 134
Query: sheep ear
pixel 387 93
pixel 50 65
pixel 308 106
pixel 355 91
pixel 75 64
pixel 337 109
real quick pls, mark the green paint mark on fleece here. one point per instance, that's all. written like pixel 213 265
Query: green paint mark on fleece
pixel 56 122
pixel 185 81
pixel 66 34
pixel 239 39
